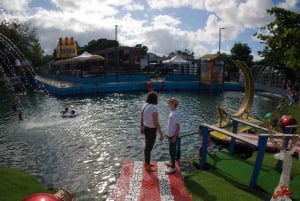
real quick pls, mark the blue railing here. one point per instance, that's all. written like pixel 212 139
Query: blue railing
pixel 178 143
pixel 260 145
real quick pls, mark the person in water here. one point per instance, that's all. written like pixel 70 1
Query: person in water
pixel 20 115
pixel 14 106
pixel 65 111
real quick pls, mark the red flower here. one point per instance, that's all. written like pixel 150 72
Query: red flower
pixel 284 190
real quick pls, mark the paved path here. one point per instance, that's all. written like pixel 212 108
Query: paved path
pixel 136 183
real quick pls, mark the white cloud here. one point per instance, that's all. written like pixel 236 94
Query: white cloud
pixel 159 4
pixel 83 9
pixel 14 5
pixel 155 23
pixel 253 13
pixel 165 21
pixel 133 7
pixel 129 28
pixel 290 5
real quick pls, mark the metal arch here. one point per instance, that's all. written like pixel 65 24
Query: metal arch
pixel 245 108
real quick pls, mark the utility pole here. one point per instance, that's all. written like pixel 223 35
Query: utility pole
pixel 220 30
pixel 117 52
pixel 219 53
pixel 116 32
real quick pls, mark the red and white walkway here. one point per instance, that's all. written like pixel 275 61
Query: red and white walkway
pixel 137 184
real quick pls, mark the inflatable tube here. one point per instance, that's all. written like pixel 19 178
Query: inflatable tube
pixel 70 114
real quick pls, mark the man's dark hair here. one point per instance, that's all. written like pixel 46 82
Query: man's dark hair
pixel 152 98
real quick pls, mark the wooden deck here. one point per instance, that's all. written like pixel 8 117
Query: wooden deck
pixel 137 184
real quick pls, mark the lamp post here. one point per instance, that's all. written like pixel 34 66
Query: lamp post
pixel 220 30
pixel 116 32
pixel 117 52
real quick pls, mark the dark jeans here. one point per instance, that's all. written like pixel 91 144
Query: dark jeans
pixel 172 151
pixel 150 136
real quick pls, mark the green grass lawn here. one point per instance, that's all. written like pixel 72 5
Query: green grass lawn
pixel 16 185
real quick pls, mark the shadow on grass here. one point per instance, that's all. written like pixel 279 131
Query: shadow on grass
pixel 198 190
pixel 210 185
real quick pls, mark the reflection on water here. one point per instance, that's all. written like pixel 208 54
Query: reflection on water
pixel 85 154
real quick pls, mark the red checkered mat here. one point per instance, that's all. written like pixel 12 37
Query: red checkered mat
pixel 137 184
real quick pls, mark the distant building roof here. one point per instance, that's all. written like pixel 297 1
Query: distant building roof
pixel 177 59
pixel 210 56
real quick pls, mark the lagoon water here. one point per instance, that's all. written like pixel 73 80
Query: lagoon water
pixel 85 154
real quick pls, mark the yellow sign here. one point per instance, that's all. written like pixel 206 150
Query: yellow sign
pixel 66 47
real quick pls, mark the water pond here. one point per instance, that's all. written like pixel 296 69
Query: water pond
pixel 85 154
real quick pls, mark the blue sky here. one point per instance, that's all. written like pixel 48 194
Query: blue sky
pixel 164 26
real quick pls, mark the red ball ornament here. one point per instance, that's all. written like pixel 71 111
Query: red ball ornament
pixel 288 120
pixel 41 197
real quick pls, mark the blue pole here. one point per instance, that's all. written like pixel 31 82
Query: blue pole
pixel 205 134
pixel 262 143
pixel 235 125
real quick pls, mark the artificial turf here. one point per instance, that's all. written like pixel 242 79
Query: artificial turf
pixel 239 171
pixel 213 186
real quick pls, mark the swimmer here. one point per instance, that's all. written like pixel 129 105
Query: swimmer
pixel 65 111
pixel 20 115
pixel 14 107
